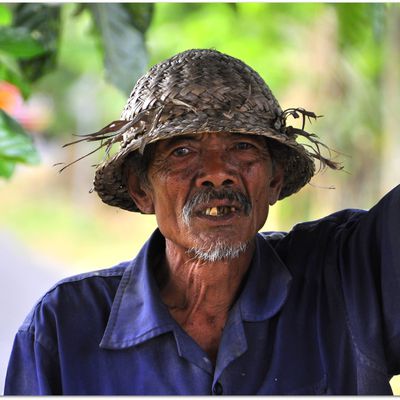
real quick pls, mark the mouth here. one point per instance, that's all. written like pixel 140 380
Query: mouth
pixel 219 211
pixel 222 206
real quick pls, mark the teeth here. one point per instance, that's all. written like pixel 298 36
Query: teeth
pixel 212 211
pixel 216 211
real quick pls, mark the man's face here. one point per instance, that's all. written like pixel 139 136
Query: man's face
pixel 210 190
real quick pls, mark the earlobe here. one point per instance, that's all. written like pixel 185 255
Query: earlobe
pixel 140 195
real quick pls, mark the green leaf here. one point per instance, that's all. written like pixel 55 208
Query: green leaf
pixel 141 14
pixel 20 82
pixel 7 168
pixel 358 22
pixel 43 21
pixel 10 72
pixel 16 146
pixel 125 55
pixel 19 42
pixel 5 15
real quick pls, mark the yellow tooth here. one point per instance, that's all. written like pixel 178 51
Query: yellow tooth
pixel 213 211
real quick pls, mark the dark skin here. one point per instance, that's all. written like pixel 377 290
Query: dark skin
pixel 199 294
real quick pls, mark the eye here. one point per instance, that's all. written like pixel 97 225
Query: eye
pixel 181 151
pixel 243 146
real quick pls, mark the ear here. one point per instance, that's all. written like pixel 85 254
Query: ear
pixel 275 184
pixel 140 195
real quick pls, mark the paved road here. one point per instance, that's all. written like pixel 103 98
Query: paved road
pixel 25 277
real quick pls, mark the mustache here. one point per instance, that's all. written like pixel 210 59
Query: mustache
pixel 206 195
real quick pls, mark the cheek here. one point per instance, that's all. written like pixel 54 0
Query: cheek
pixel 257 177
pixel 261 205
pixel 257 167
pixel 169 195
pixel 167 172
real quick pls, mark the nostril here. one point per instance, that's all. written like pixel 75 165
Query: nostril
pixel 207 184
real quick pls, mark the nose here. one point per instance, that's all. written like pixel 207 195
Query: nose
pixel 216 170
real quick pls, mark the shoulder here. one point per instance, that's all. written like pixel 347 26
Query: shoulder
pixel 313 244
pixel 310 229
pixel 344 219
pixel 76 293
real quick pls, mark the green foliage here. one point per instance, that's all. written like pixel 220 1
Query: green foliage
pixel 5 15
pixel 19 43
pixel 263 35
pixel 141 14
pixel 125 56
pixel 360 21
pixel 16 44
pixel 15 146
pixel 43 22
pixel 30 36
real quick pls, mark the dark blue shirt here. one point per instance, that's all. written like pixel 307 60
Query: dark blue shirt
pixel 319 312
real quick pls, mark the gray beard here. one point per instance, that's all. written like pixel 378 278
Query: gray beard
pixel 218 251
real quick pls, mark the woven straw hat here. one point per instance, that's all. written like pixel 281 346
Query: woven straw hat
pixel 201 91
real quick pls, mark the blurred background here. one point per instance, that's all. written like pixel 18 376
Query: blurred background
pixel 68 69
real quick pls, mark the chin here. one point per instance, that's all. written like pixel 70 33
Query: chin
pixel 218 250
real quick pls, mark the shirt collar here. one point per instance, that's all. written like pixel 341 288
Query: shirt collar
pixel 267 286
pixel 138 314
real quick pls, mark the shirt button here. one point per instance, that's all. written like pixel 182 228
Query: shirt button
pixel 218 389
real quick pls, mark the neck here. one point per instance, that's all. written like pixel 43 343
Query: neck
pixel 194 285
pixel 199 294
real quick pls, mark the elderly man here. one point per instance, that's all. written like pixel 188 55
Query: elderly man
pixel 210 306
